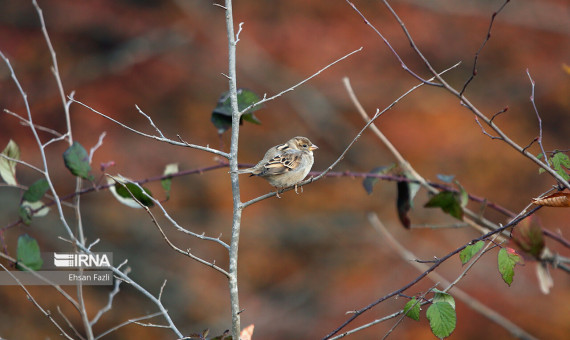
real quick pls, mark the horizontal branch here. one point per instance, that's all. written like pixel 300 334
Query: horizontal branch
pixel 159 138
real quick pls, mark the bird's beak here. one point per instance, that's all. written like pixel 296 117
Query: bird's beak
pixel 313 147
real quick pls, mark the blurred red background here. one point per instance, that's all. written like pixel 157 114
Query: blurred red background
pixel 305 260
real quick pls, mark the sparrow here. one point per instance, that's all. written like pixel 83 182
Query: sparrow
pixel 286 164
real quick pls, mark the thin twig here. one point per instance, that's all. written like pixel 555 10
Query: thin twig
pixel 24 122
pixel 42 278
pixel 70 324
pixel 401 318
pixel 361 311
pixel 38 306
pixel 465 102
pixel 457 292
pixel 487 37
pixel 402 64
pixel 128 322
pixel 187 252
pixel 158 138
pixel 96 146
pixel 266 99
pixel 539 140
pixel 109 305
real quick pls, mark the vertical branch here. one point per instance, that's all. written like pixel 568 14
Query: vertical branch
pixel 78 181
pixel 532 83
pixel 237 206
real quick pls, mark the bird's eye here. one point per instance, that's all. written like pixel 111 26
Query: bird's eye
pixel 305 145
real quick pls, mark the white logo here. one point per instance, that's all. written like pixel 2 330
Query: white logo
pixel 81 260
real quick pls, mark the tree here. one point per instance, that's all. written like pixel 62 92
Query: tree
pixel 498 229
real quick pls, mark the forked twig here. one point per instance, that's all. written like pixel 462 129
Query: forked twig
pixel 476 58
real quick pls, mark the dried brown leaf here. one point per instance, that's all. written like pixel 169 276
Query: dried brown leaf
pixel 558 199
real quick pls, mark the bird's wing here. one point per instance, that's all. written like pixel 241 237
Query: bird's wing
pixel 282 163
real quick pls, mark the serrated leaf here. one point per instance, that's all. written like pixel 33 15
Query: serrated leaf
pixel 448 202
pixel 167 182
pixel 466 254
pixel 440 296
pixel 507 259
pixel 29 253
pixel 528 236
pixel 222 114
pixel 125 190
pixel 36 191
pixel 412 309
pixel 403 204
pixel 8 167
pixel 369 182
pixel 442 319
pixel 559 161
pixel 76 160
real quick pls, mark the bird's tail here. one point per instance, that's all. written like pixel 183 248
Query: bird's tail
pixel 244 171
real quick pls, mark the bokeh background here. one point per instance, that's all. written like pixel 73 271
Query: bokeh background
pixel 305 260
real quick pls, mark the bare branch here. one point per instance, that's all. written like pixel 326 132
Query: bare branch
pixel 128 322
pixel 487 37
pixel 38 306
pixel 109 305
pixel 187 252
pixel 96 146
pixel 359 312
pixel 539 140
pixel 465 102
pixel 25 122
pixel 158 138
pixel 266 99
pixel 402 64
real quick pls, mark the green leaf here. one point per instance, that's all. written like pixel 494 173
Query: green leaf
pixel 440 296
pixel 77 161
pixel 559 161
pixel 125 190
pixel 29 253
pixel 369 182
pixel 442 319
pixel 466 254
pixel 507 260
pixel 8 167
pixel 167 182
pixel 412 309
pixel 448 202
pixel 36 191
pixel 222 114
